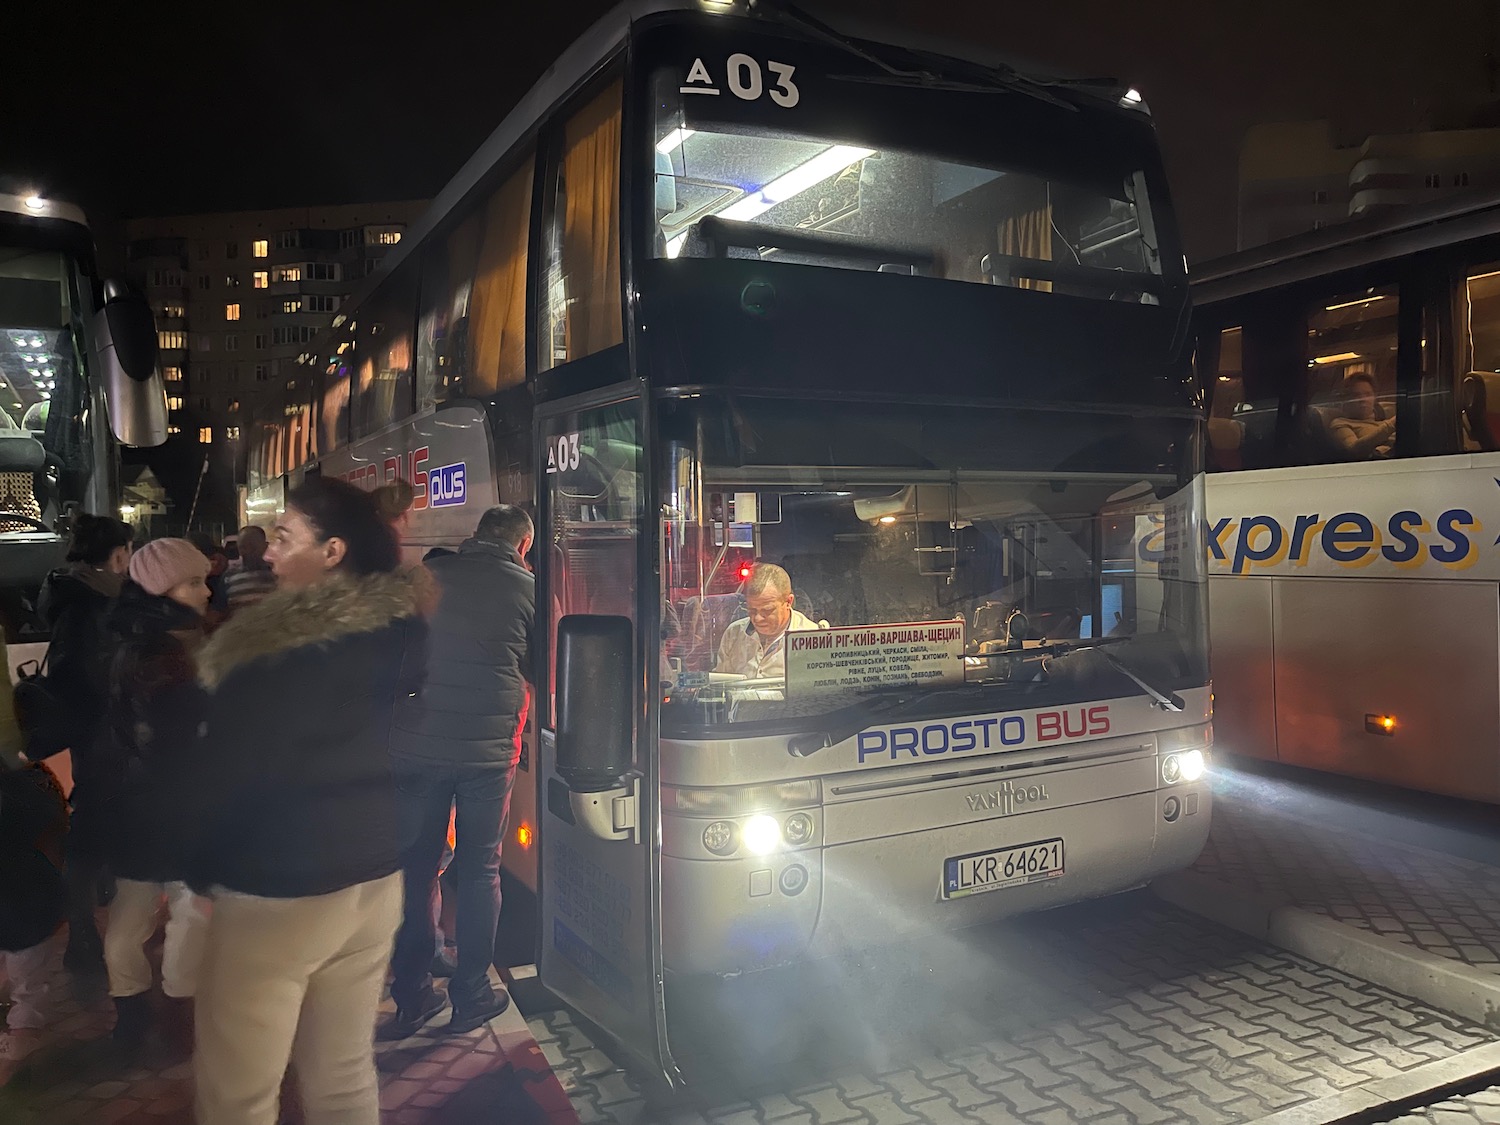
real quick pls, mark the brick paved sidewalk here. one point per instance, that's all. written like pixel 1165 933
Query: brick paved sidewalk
pixel 1124 1012
pixel 1427 899
pixel 496 1073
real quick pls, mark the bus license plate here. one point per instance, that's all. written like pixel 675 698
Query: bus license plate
pixel 1008 867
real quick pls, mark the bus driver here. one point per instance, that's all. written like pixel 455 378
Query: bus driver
pixel 756 648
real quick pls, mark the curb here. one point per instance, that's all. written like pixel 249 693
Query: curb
pixel 1386 1097
pixel 1452 986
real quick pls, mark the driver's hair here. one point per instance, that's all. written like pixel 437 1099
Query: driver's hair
pixel 768 578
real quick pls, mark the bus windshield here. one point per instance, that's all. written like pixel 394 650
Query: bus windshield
pixel 857 193
pixel 42 377
pixel 928 569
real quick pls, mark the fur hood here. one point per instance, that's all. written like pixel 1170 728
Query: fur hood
pixel 320 614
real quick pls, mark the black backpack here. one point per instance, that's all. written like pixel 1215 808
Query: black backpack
pixel 40 711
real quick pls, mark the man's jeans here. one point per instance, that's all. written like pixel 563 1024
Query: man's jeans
pixel 426 792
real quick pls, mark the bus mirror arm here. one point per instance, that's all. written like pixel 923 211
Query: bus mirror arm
pixel 609 814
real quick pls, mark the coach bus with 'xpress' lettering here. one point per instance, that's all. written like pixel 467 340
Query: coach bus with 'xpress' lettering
pixel 851 385
pixel 1353 382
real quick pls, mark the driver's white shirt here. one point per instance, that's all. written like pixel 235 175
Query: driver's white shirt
pixel 741 652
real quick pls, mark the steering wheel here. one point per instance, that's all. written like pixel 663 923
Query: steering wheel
pixel 15 517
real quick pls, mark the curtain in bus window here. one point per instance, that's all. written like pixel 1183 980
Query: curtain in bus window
pixel 591 226
pixel 1029 235
pixel 497 308
pixel 335 419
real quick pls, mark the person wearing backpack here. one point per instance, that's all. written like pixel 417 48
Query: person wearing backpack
pixel 75 602
pixel 152 729
pixel 33 896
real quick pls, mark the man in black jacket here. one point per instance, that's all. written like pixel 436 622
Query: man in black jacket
pixel 456 743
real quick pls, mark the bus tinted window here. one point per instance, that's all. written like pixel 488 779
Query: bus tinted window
pixel 334 412
pixel 1351 369
pixel 497 309
pixel 580 308
pixel 442 327
pixel 383 378
pixel 42 371
pixel 1479 345
pixel 855 204
pixel 1304 383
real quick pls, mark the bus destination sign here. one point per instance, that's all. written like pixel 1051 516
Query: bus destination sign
pixel 862 656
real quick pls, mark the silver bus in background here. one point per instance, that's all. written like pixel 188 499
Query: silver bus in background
pixel 78 374
pixel 1352 377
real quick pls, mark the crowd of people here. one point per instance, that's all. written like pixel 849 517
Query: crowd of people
pixel 285 749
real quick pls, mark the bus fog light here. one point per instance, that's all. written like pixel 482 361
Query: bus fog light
pixel 799 828
pixel 793 879
pixel 1171 809
pixel 1171 769
pixel 1193 765
pixel 761 834
pixel 718 837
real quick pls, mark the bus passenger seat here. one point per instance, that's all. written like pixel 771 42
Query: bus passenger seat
pixel 1479 424
pixel 1226 439
pixel 21 459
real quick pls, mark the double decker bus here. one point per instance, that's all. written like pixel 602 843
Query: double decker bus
pixel 77 373
pixel 1353 382
pixel 726 291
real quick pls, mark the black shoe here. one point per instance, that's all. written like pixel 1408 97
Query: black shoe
pixel 471 1014
pixel 132 1020
pixel 409 1018
pixel 443 965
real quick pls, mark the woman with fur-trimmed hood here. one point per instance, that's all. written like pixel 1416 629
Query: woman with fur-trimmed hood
pixel 296 837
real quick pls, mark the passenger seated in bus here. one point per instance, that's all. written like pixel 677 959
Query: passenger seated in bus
pixel 1364 431
pixel 755 646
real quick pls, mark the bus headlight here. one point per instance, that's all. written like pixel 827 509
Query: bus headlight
pixel 761 835
pixel 718 837
pixel 799 828
pixel 1190 765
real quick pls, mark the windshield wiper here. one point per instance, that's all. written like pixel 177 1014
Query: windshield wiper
pixel 841 724
pixel 1167 701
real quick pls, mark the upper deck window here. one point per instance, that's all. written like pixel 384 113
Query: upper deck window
pixel 749 178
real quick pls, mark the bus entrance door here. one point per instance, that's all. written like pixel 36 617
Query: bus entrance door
pixel 599 902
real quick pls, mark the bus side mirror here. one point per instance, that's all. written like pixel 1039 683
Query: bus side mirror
pixel 126 335
pixel 595 706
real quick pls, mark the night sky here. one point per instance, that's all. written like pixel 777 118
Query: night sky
pixel 143 108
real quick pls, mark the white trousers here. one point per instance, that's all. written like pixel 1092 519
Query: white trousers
pixel 28 971
pixel 294 980
pixel 132 921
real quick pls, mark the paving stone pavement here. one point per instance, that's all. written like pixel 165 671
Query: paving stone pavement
pixel 495 1073
pixel 1436 902
pixel 1126 1012
pixel 1482 1108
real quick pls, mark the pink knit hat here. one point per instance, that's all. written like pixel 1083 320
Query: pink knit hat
pixel 163 563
